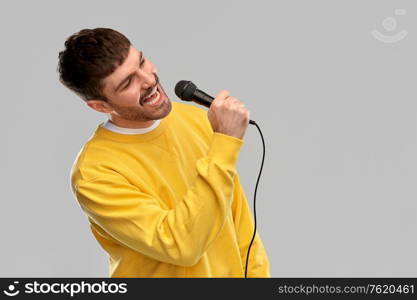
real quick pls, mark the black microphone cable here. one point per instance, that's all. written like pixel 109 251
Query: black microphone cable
pixel 254 197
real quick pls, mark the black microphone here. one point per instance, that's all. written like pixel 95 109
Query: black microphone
pixel 188 91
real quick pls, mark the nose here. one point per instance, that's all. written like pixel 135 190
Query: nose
pixel 148 78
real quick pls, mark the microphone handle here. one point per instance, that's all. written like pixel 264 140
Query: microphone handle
pixel 204 99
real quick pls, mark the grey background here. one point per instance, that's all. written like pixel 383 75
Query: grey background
pixel 337 108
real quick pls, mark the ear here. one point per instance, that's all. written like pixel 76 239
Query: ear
pixel 100 106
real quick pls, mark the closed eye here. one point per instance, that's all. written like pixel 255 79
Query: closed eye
pixel 130 79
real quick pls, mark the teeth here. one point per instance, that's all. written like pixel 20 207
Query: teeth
pixel 154 100
pixel 153 93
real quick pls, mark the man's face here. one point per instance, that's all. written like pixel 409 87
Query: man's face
pixel 129 86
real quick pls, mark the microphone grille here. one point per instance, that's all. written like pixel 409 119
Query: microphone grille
pixel 185 89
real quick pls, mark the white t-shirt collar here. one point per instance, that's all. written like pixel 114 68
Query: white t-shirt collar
pixel 110 126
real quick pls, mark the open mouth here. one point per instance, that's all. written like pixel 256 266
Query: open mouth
pixel 154 99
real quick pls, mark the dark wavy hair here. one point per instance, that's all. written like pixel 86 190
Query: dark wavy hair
pixel 89 56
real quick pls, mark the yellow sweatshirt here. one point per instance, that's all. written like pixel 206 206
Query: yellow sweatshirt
pixel 168 203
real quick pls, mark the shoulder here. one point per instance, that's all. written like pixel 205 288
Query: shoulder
pixel 93 159
pixel 191 116
pixel 190 112
pixel 182 107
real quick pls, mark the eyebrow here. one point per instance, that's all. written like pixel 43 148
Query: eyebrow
pixel 128 76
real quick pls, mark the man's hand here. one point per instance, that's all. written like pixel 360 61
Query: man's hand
pixel 228 115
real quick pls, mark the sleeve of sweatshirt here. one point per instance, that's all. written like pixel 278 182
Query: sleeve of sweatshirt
pixel 179 236
pixel 258 265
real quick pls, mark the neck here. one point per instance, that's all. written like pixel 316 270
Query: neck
pixel 128 123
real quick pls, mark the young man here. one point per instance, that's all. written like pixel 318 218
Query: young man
pixel 158 180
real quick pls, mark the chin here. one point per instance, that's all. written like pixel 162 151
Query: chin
pixel 166 109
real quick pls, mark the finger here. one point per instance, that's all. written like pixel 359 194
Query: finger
pixel 223 94
pixel 232 99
